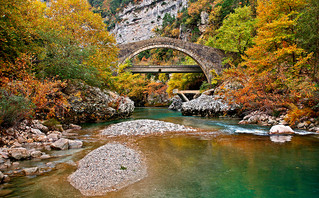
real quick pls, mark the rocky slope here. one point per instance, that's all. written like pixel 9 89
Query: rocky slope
pixel 138 20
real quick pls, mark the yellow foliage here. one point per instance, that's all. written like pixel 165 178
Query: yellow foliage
pixel 296 114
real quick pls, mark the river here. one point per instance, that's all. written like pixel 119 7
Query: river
pixel 228 160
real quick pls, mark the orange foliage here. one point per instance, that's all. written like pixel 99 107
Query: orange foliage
pixel 156 88
pixel 296 114
pixel 274 73
pixel 45 95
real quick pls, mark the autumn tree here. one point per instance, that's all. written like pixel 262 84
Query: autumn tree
pixel 274 72
pixel 86 38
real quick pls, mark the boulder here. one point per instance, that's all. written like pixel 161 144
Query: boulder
pixel 36 154
pixel 36 124
pixel 31 171
pixel 281 129
pixel 1 176
pixel 19 153
pixel 91 104
pixel 75 144
pixel 176 103
pixel 45 156
pixel 75 127
pixel 207 106
pixel 61 144
pixel 54 136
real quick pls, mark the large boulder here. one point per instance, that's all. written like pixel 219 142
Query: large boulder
pixel 61 144
pixel 91 104
pixel 31 171
pixel 19 153
pixel 176 103
pixel 36 124
pixel 75 144
pixel 207 106
pixel 281 129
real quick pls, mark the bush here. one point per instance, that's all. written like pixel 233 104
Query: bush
pixel 13 108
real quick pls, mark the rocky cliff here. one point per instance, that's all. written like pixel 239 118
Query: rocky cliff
pixel 138 20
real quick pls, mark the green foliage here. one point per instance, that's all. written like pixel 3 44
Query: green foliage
pixel 131 85
pixel 205 85
pixel 63 57
pixel 51 123
pixel 13 108
pixel 308 34
pixel 236 33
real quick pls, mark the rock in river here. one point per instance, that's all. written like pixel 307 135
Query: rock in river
pixel 281 129
pixel 108 168
pixel 207 106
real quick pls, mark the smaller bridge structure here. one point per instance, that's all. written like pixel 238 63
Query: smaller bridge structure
pixel 165 69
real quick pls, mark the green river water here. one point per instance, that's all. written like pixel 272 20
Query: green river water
pixel 228 160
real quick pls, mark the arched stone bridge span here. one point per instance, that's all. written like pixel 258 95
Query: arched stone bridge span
pixel 207 58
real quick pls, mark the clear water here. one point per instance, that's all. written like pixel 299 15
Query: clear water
pixel 222 163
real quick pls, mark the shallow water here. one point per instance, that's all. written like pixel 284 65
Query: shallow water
pixel 222 162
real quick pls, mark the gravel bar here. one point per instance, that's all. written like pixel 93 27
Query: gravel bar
pixel 144 127
pixel 108 168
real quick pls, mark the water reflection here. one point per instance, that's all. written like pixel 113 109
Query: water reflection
pixel 280 138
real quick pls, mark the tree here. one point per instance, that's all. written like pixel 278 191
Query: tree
pixel 85 33
pixel 274 72
pixel 308 34
pixel 236 33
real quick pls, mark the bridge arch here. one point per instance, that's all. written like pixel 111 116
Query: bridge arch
pixel 206 57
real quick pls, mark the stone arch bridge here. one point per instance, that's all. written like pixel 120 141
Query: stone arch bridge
pixel 207 58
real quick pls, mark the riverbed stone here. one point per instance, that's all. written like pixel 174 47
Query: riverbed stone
pixel 75 127
pixel 31 171
pixel 36 124
pixel 19 153
pixel 61 144
pixel 281 129
pixel 1 176
pixel 45 156
pixel 36 154
pixel 75 144
pixel 108 168
pixel 176 103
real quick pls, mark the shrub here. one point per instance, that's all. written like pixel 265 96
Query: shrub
pixel 13 108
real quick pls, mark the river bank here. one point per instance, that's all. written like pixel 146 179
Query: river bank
pixel 187 161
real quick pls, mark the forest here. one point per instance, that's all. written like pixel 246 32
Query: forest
pixel 42 48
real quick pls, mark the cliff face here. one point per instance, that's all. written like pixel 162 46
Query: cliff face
pixel 137 21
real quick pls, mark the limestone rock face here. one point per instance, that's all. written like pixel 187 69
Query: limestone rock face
pixel 176 103
pixel 91 104
pixel 206 106
pixel 138 20
pixel 281 129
